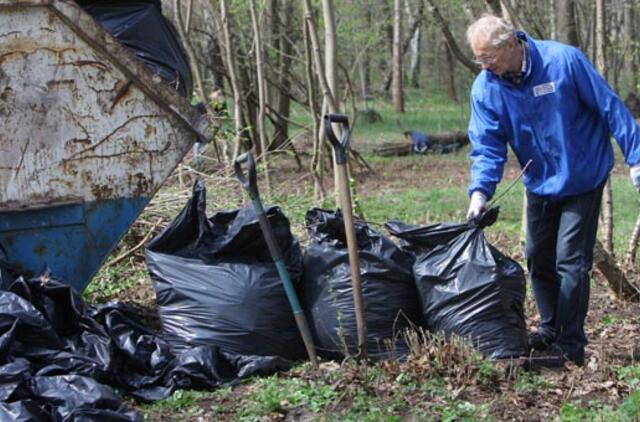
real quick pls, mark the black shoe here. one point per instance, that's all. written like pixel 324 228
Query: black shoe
pixel 539 341
pixel 576 356
pixel 551 357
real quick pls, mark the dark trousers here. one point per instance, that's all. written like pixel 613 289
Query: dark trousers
pixel 560 240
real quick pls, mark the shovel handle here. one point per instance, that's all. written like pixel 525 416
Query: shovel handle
pixel 339 147
pixel 250 182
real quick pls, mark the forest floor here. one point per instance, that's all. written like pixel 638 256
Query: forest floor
pixel 439 381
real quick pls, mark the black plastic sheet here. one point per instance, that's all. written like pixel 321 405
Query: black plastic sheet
pixel 140 26
pixel 389 294
pixel 216 282
pixel 61 360
pixel 467 286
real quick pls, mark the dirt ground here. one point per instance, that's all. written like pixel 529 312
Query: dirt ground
pixel 613 326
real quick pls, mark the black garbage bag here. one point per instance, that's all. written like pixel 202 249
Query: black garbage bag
pixel 140 26
pixel 389 294
pixel 467 286
pixel 216 282
pixel 62 360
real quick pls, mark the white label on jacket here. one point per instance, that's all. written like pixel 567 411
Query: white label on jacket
pixel 544 89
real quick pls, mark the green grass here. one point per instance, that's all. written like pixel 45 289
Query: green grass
pixel 630 375
pixel 530 382
pixel 419 203
pixel 628 411
pixel 427 112
pixel 432 113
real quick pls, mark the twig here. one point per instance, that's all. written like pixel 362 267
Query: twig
pixel 499 197
pixel 135 248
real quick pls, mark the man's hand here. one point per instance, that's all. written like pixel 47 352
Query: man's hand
pixel 635 176
pixel 479 203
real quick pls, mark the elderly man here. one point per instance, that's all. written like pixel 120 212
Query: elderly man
pixel 547 101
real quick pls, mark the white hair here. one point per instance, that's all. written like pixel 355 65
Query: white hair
pixel 497 30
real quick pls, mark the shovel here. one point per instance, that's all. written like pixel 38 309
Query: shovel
pixel 251 186
pixel 339 150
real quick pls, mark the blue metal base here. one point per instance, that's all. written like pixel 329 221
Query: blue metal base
pixel 72 240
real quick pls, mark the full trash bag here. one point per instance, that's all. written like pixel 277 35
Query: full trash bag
pixel 467 286
pixel 216 282
pixel 61 360
pixel 140 26
pixel 389 294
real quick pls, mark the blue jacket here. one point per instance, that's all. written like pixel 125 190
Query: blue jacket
pixel 560 116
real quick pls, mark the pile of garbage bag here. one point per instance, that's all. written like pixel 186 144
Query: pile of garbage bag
pixel 467 287
pixel 62 360
pixel 216 282
pixel 389 294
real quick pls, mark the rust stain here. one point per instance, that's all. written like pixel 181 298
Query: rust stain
pixel 122 90
pixel 40 250
pixel 149 131
pixel 84 153
pixel 83 141
pixel 5 93
pixel 102 191
pixel 139 183
pixel 95 63
pixel 54 83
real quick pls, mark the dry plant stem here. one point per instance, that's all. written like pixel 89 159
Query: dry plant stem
pixel 261 96
pixel 124 255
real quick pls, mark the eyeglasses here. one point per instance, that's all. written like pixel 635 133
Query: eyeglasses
pixel 485 59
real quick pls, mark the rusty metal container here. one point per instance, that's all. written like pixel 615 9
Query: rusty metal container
pixel 87 136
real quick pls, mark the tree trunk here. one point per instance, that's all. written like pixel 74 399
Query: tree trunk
pixel 567 25
pixel 331 70
pixel 607 203
pixel 415 58
pixel 316 162
pixel 398 89
pixel 317 58
pixel 281 126
pixel 450 74
pixel 414 48
pixel 261 94
pixel 455 49
pixel 493 7
pixel 442 142
pixel 231 68
pixel 630 257
pixel 631 50
pixel 415 23
pixel 197 75
pixel 552 20
pixel 613 275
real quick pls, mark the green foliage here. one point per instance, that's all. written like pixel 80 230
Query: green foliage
pixel 630 374
pixel 528 381
pixel 609 320
pixel 274 393
pixel 459 410
pixel 629 411
pixel 113 280
pixel 630 408
pixel 182 401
